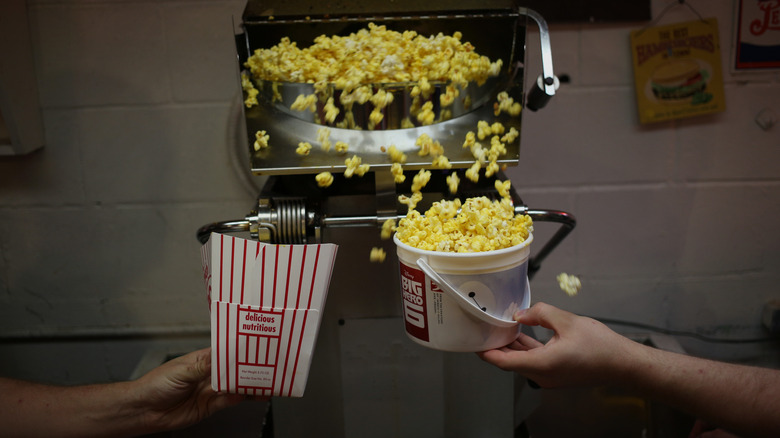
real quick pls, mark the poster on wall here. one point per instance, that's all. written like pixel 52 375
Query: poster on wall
pixel 757 33
pixel 677 71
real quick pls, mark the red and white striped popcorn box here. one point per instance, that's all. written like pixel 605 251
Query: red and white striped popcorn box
pixel 266 302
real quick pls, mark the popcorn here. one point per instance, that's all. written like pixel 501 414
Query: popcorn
pixel 420 180
pixel 261 140
pixel 428 146
pixel 398 173
pixel 375 117
pixel 324 179
pixel 471 139
pixel 506 104
pixel 452 182
pixel 374 55
pixel 449 96
pixel 331 111
pixel 381 99
pixel 441 162
pixel 377 255
pixel 396 156
pixel 388 228
pixel 251 91
pixel 481 225
pixel 323 136
pixel 410 201
pixel 426 115
pixel 503 188
pixel 472 172
pixel 491 169
pixel 303 148
pixel 510 136
pixel 303 102
pixel 570 284
pixel 341 147
pixel 483 129
pixel 354 166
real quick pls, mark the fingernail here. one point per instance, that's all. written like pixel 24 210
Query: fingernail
pixel 520 313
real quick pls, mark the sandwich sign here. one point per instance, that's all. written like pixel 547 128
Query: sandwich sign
pixel 677 71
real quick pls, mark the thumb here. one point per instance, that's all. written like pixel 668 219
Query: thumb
pixel 545 315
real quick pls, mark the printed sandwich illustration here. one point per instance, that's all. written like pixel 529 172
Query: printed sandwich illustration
pixel 679 79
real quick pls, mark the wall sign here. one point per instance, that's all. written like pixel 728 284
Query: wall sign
pixel 757 35
pixel 677 70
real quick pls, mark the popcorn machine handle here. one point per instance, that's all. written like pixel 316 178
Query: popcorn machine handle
pixel 546 84
pixel 567 222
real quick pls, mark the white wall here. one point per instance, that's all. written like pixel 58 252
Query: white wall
pixel 676 220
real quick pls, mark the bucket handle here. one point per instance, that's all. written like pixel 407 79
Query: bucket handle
pixel 465 304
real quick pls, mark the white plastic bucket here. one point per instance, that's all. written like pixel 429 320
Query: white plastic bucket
pixel 463 301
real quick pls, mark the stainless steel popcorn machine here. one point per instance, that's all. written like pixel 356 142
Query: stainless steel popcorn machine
pixel 367 378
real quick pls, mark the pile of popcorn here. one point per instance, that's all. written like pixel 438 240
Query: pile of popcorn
pixel 479 224
pixel 371 56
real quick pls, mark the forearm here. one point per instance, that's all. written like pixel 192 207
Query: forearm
pixel 32 410
pixel 741 399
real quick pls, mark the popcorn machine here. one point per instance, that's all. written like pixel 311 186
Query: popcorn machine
pixel 366 377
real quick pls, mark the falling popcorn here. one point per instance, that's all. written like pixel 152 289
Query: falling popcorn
pixel 261 140
pixel 324 179
pixel 377 255
pixel 303 148
pixel 569 283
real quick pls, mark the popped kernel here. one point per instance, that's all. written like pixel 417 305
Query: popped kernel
pixel 341 147
pixel 331 111
pixel 323 136
pixel 453 182
pixel 377 255
pixel 388 228
pixel 398 173
pixel 304 102
pixel 510 136
pixel 420 180
pixel 355 167
pixel 491 169
pixel 261 140
pixel 324 179
pixel 410 201
pixel 303 148
pixel 375 117
pixel 483 129
pixel 441 162
pixel 396 156
pixel 428 146
pixel 506 104
pixel 503 188
pixel 472 172
pixel 251 91
pixel 426 115
pixel 570 284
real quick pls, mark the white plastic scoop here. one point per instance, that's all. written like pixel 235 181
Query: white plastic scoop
pixel 470 307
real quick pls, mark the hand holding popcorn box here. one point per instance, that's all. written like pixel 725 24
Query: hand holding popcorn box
pixel 265 303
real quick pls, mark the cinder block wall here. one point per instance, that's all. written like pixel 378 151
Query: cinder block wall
pixel 139 104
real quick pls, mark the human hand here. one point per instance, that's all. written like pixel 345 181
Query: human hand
pixel 582 351
pixel 178 393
